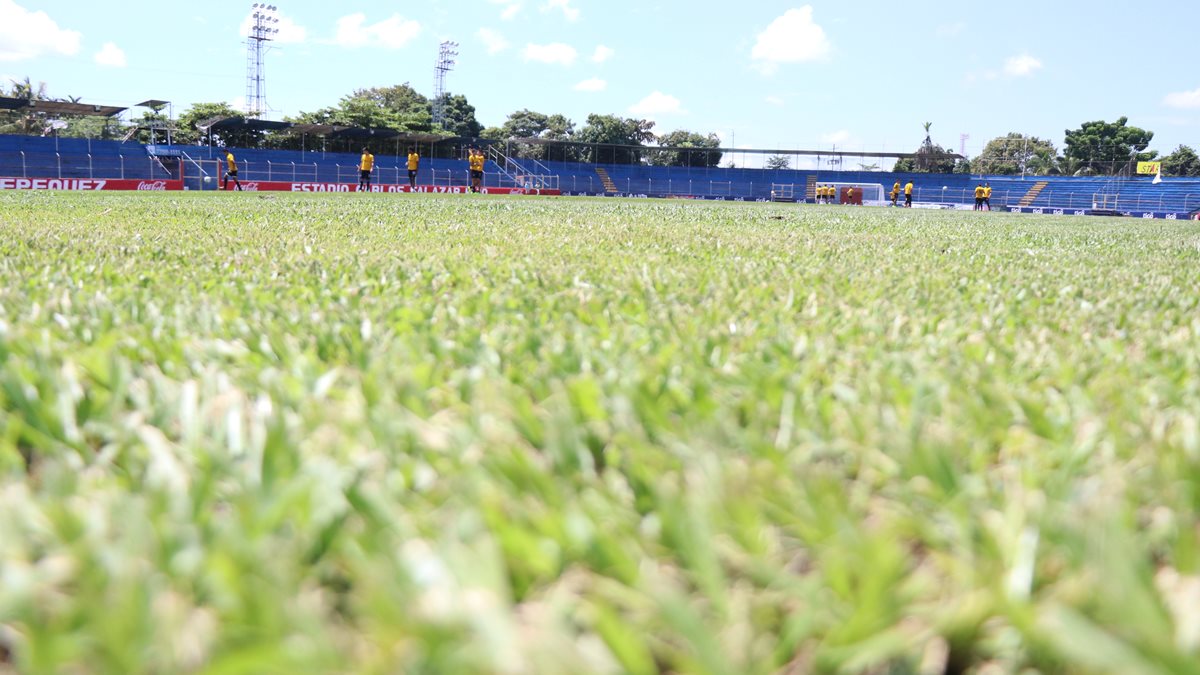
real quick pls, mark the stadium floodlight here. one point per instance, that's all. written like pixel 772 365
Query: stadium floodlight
pixel 264 28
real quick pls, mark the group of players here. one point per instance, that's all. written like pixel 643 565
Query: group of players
pixel 983 197
pixel 908 193
pixel 366 166
pixel 828 194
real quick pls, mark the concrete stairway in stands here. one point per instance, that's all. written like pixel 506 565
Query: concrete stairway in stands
pixel 1034 191
pixel 609 185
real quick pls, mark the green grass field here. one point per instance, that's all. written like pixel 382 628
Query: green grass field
pixel 244 433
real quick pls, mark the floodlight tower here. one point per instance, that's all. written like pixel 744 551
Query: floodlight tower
pixel 263 29
pixel 445 63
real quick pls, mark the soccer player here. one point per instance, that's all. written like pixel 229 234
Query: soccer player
pixel 908 189
pixel 987 196
pixel 414 161
pixel 849 195
pixel 231 171
pixel 365 165
pixel 979 197
pixel 475 161
pixel 895 192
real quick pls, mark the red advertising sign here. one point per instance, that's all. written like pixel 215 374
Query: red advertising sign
pixel 282 186
pixel 88 184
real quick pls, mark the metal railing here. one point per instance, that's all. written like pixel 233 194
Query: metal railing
pixel 85 165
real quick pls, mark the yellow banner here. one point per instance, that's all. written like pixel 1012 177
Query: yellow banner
pixel 1148 168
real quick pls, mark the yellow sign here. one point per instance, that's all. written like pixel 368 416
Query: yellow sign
pixel 1149 168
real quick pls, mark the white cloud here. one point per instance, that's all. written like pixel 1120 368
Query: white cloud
pixel 110 55
pixel 571 13
pixel 1188 100
pixel 657 103
pixel 289 31
pixel 774 100
pixel 602 54
pixel 556 52
pixel 493 40
pixel 26 35
pixel 791 38
pixel 1021 66
pixel 392 33
pixel 511 7
pixel 593 84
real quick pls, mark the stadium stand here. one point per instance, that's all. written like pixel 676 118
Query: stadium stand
pixel 30 156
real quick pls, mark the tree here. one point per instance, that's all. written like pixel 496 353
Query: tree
pixel 186 131
pixel 525 123
pixel 616 131
pixel 460 116
pixel 1182 162
pixel 704 156
pixel 1010 154
pixel 24 121
pixel 93 126
pixel 779 162
pixel 1107 147
pixel 399 108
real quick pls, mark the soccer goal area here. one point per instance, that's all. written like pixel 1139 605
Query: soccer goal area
pixel 860 194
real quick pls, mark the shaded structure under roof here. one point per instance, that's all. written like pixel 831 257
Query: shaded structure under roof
pixel 59 107
pixel 238 123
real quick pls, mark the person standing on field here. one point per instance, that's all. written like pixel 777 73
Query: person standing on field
pixel 987 197
pixel 365 165
pixel 475 162
pixel 908 189
pixel 979 197
pixel 414 161
pixel 895 194
pixel 231 171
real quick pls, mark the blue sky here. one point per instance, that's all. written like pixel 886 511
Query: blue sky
pixel 799 75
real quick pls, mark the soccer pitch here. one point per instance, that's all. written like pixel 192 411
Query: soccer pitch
pixel 244 433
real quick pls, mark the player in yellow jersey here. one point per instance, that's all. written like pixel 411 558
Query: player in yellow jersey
pixel 476 161
pixel 979 197
pixel 365 165
pixel 849 195
pixel 908 190
pixel 414 161
pixel 231 170
pixel 895 194
pixel 987 197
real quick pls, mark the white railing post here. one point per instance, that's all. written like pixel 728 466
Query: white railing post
pixel 58 159
pixel 91 171
pixel 24 171
pixel 269 166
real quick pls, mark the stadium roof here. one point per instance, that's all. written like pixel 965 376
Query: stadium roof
pixel 59 107
pixel 752 151
pixel 241 123
pixel 327 130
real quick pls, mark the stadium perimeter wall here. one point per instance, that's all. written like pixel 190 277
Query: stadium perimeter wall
pixel 134 166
